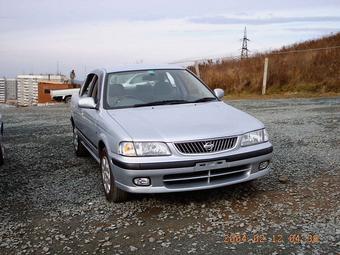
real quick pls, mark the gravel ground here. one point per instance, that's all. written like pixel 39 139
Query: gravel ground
pixel 53 203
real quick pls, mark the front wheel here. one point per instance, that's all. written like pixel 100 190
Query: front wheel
pixel 112 192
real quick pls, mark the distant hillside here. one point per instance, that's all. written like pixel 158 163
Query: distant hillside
pixel 308 71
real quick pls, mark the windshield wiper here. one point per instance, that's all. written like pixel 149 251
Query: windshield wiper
pixel 204 99
pixel 163 102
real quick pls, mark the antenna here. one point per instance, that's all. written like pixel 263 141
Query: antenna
pixel 244 50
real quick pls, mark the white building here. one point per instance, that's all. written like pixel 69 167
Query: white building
pixel 2 90
pixel 27 91
pixel 11 89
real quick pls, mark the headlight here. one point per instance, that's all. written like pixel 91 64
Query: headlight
pixel 254 137
pixel 127 149
pixel 143 149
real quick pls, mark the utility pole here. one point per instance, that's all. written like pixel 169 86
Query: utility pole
pixel 197 69
pixel 265 76
pixel 244 51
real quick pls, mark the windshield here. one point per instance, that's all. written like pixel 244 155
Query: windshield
pixel 154 87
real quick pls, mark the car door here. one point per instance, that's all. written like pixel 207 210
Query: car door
pixel 78 113
pixel 90 116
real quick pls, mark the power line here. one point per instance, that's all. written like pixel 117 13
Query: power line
pixel 263 54
pixel 304 50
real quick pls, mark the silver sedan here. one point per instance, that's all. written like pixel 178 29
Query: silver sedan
pixel 169 133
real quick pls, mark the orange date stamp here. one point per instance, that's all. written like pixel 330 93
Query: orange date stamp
pixel 294 238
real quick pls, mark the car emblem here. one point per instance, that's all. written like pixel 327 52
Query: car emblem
pixel 208 146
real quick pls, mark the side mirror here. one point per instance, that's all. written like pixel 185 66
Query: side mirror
pixel 219 93
pixel 87 102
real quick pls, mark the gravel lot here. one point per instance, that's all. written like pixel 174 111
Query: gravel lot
pixel 53 203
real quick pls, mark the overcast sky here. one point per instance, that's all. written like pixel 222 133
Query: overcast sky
pixel 35 35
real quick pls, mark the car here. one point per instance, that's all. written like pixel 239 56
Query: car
pixel 173 135
pixel 2 151
pixel 63 94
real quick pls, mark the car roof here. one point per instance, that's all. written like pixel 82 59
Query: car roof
pixel 138 67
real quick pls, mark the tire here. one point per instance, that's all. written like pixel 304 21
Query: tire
pixel 112 192
pixel 2 156
pixel 79 148
pixel 67 99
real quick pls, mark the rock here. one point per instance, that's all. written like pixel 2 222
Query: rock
pixel 192 250
pixel 164 244
pixel 133 248
pixel 46 249
pixel 152 239
pixel 283 179
pixel 107 243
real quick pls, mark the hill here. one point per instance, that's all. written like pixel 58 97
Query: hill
pixel 293 68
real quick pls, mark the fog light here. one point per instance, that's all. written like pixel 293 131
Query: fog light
pixel 263 165
pixel 142 181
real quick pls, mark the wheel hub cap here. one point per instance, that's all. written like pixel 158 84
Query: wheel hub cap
pixel 106 174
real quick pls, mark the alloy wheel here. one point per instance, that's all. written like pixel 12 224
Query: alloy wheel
pixel 106 175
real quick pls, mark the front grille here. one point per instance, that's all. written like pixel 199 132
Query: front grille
pixel 206 146
pixel 205 177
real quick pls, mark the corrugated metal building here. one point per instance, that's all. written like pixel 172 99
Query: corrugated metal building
pixel 2 90
pixel 27 92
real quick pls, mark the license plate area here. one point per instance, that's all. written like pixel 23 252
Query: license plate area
pixel 210 165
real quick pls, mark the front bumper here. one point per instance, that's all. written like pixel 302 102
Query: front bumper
pixel 191 173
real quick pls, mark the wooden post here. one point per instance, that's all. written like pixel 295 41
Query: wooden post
pixel 197 69
pixel 265 76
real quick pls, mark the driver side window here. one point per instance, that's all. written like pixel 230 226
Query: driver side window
pixel 90 87
pixel 94 89
pixel 86 87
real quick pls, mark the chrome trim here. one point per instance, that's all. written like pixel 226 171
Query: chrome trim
pixel 197 146
pixel 207 176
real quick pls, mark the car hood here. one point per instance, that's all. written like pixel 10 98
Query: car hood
pixel 183 122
